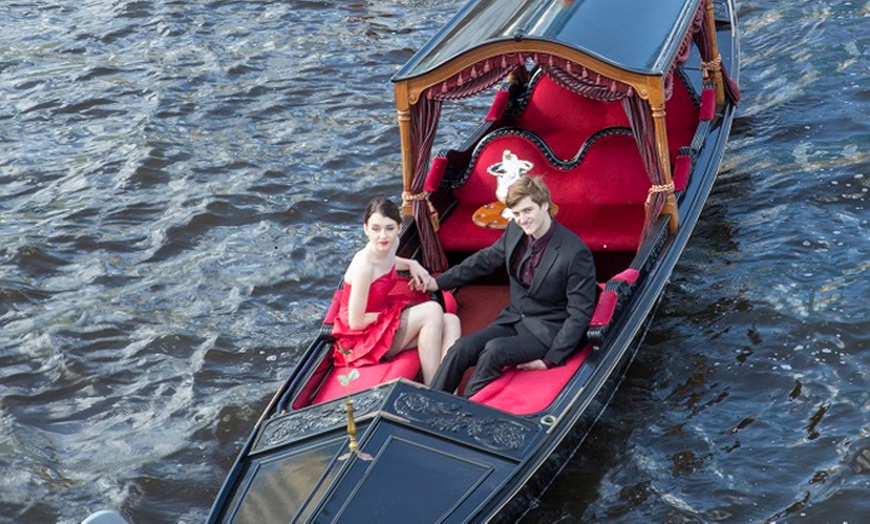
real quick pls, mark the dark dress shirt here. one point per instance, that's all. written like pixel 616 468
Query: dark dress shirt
pixel 527 259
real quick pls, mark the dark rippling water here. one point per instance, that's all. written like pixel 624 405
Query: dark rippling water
pixel 180 184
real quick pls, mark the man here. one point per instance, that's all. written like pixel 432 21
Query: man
pixel 552 292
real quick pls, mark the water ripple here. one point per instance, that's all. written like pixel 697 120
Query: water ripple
pixel 181 179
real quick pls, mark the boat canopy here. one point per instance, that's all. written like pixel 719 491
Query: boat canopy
pixel 634 35
pixel 609 50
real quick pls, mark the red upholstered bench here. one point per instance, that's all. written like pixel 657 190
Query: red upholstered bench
pixel 600 199
pixel 405 365
pixel 524 392
pixel 564 119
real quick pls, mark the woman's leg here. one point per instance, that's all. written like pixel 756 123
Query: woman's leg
pixel 422 326
pixel 452 332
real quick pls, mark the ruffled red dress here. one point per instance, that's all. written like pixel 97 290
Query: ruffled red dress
pixel 368 345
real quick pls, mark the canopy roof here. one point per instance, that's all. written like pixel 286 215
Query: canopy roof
pixel 639 36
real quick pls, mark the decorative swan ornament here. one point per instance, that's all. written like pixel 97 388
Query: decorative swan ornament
pixel 508 171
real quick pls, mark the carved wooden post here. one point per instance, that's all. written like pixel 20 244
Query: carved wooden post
pixel 403 108
pixel 657 104
pixel 716 61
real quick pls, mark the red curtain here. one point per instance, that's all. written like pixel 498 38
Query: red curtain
pixel 425 116
pixel 424 124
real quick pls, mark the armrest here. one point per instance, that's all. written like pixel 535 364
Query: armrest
pixel 615 291
pixel 331 313
pixel 499 104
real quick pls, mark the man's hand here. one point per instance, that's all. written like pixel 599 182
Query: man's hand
pixel 535 365
pixel 431 284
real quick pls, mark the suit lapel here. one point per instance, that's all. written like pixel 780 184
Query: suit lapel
pixel 548 260
pixel 512 242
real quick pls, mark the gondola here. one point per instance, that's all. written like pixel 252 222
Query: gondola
pixel 624 108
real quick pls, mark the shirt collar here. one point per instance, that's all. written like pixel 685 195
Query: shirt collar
pixel 545 238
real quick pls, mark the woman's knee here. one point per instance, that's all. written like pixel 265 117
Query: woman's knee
pixel 431 310
pixel 426 314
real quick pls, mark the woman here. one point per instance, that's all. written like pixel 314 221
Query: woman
pixel 371 325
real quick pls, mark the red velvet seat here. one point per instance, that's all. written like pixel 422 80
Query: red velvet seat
pixel 564 119
pixel 405 365
pixel 601 200
pixel 524 392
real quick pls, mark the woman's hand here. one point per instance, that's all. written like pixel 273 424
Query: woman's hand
pixel 419 276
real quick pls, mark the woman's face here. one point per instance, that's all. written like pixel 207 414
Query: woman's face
pixel 382 232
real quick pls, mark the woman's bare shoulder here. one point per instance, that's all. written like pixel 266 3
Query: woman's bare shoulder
pixel 360 269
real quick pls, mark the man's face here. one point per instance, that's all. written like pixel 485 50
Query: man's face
pixel 533 218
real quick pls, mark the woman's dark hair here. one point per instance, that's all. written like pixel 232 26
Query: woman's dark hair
pixel 383 206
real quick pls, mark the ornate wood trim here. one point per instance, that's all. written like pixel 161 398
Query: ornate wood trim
pixel 552 159
pixel 403 110
pixel 328 416
pixel 493 433
pixel 416 86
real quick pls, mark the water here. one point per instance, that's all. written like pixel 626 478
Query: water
pixel 180 179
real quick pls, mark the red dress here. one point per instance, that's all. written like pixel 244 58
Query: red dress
pixel 369 344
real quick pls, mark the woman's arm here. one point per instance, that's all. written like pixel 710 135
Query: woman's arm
pixel 419 275
pixel 360 280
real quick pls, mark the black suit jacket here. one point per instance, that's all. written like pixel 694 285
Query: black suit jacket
pixel 558 305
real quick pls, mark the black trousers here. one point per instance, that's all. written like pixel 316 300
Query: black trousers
pixel 490 349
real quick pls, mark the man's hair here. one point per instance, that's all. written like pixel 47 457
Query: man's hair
pixel 528 186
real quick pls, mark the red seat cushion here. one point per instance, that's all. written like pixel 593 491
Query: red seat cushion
pixel 459 233
pixel 682 170
pixel 605 308
pixel 405 365
pixel 525 392
pixel 601 200
pixel 499 104
pixel 708 104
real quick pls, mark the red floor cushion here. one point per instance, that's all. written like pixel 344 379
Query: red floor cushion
pixel 525 392
pixel 405 365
